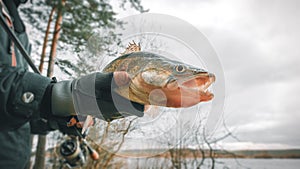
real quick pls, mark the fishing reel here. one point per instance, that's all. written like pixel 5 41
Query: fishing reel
pixel 75 150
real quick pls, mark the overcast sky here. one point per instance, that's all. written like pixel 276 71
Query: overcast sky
pixel 258 45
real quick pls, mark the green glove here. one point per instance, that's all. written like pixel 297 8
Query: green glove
pixel 94 95
pixel 90 95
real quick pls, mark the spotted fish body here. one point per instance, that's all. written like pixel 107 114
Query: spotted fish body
pixel 157 80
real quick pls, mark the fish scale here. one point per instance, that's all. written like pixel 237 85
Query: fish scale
pixel 179 87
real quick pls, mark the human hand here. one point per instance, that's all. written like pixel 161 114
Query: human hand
pixel 111 104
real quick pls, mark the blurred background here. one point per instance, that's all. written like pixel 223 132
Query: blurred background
pixel 257 43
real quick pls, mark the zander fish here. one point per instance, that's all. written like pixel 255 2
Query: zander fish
pixel 157 80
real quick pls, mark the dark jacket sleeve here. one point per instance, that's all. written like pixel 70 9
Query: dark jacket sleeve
pixel 21 94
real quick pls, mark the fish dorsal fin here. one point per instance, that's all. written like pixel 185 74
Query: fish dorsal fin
pixel 132 47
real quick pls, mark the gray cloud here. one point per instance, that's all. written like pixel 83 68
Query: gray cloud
pixel 258 45
pixel 261 64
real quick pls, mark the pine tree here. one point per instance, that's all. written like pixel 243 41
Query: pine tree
pixel 75 21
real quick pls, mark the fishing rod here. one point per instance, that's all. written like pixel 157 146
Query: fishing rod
pixel 73 160
pixel 16 41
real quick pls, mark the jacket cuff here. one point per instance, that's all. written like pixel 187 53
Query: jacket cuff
pixel 29 98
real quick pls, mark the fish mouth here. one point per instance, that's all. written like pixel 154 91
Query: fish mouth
pixel 200 84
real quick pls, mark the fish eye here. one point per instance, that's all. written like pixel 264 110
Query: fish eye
pixel 180 68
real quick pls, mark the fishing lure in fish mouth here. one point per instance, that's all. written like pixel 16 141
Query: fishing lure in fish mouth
pixel 157 80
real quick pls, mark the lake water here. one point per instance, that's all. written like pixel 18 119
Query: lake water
pixel 220 163
pixel 258 164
